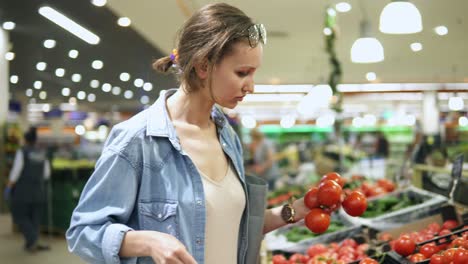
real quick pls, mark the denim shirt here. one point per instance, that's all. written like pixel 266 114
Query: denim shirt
pixel 145 181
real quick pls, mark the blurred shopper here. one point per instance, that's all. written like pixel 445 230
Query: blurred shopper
pixel 263 164
pixel 382 147
pixel 27 189
pixel 170 186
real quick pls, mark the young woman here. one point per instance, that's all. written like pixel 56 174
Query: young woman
pixel 169 186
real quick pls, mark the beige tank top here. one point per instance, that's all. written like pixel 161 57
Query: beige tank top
pixel 225 203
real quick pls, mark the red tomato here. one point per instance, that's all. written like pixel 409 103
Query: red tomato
pixel 418 257
pixel 449 254
pixel 437 259
pixel 317 220
pixel 349 242
pixel 329 193
pixel 385 237
pixel 279 259
pixel 404 246
pixel 459 242
pixel 334 176
pixel 296 258
pixel 317 249
pixel 368 261
pixel 449 224
pixel 355 204
pixel 310 199
pixel 429 249
pixel 460 256
pixel 386 184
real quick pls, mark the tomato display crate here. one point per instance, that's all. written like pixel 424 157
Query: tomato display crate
pixel 427 203
pixel 276 240
pixel 386 258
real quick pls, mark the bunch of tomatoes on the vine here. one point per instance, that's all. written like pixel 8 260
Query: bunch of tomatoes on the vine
pixel 328 197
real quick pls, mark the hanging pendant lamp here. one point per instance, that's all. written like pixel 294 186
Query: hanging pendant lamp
pixel 366 49
pixel 400 17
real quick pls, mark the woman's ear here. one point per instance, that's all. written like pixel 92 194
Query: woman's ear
pixel 201 68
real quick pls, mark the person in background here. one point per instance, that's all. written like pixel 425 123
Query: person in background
pixel 382 147
pixel 169 186
pixel 27 190
pixel 263 164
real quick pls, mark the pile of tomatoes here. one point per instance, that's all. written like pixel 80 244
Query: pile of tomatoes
pixel 335 253
pixel 327 197
pixel 455 250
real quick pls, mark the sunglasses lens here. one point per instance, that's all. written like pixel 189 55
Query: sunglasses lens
pixel 253 36
pixel 263 33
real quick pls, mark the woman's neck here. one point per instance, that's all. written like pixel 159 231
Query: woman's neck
pixel 193 108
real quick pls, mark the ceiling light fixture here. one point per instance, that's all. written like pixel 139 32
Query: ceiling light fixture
pixel 9 25
pixel 94 84
pixel 138 82
pixel 9 56
pixel 91 97
pixel 416 46
pixel 400 17
pixel 371 76
pixel 366 49
pixel 97 64
pixel 14 79
pixel 76 77
pixel 124 22
pixel 41 66
pixel 456 103
pixel 66 91
pixel 441 30
pixel 148 87
pixel 128 94
pixel 37 84
pixel 49 43
pixel 116 90
pixel 144 99
pixel 99 2
pixel 69 25
pixel 60 72
pixel 73 54
pixel 124 76
pixel 343 7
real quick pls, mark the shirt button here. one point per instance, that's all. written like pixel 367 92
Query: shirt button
pixel 224 144
pixel 199 202
pixel 198 241
pixel 159 215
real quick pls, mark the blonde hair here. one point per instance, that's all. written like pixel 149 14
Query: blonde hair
pixel 208 35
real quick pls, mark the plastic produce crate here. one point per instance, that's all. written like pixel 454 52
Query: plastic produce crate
pixel 428 203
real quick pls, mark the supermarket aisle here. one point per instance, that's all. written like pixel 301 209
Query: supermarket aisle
pixel 11 251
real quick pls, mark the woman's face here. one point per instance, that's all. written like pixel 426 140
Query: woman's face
pixel 233 77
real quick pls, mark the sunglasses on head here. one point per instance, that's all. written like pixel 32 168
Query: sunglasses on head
pixel 257 32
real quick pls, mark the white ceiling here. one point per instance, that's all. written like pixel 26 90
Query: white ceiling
pixel 295 50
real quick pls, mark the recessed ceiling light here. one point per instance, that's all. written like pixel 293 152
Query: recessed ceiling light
pixel 60 72
pixel 144 99
pixel 327 31
pixel 97 64
pixel 73 54
pixel 37 84
pixel 29 92
pixel 91 97
pixel 124 76
pixel 106 87
pixel 14 79
pixel 9 25
pixel 49 43
pixel 116 90
pixel 99 2
pixel 343 7
pixel 128 94
pixel 80 130
pixel 441 30
pixel 76 77
pixel 148 87
pixel 66 91
pixel 416 46
pixel 9 56
pixel 81 95
pixel 43 95
pixel 72 101
pixel 46 107
pixel 94 83
pixel 41 66
pixel 371 76
pixel 69 25
pixel 124 22
pixel 138 82
pixel 331 11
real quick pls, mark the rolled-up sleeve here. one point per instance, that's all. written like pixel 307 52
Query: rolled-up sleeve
pixel 98 224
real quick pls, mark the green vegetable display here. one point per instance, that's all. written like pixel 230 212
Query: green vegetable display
pixel 389 204
pixel 299 233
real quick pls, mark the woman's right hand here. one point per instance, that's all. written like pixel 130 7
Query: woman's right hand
pixel 166 249
pixel 161 247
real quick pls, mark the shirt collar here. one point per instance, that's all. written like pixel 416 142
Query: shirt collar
pixel 159 123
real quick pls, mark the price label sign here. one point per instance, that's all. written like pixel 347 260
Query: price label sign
pixel 457 167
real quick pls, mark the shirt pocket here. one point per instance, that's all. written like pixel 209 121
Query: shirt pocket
pixel 159 216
